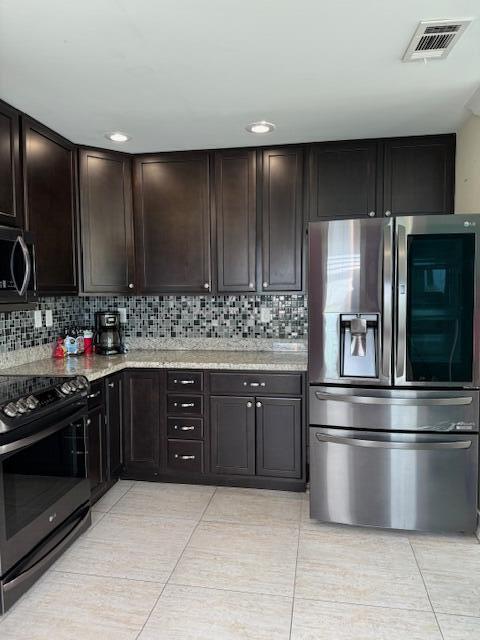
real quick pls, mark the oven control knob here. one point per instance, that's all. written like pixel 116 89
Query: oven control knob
pixel 65 388
pixel 32 402
pixel 21 405
pixel 10 410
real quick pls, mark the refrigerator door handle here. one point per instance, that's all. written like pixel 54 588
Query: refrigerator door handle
pixel 387 300
pixel 401 318
pixel 382 444
pixel 412 402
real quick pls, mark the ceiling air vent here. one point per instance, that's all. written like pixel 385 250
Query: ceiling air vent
pixel 435 39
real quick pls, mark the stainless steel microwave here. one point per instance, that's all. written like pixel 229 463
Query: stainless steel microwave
pixel 17 270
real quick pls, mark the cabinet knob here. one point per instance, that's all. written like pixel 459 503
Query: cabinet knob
pixel 249 405
pixel 388 213
pixel 206 285
pixel 89 422
pixel 250 285
pixel 371 214
pixel 130 286
pixel 258 405
pixel 111 385
pixel 265 285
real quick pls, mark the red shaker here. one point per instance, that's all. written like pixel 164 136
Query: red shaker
pixel 88 342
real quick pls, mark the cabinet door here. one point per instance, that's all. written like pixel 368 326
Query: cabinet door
pixel 419 175
pixel 235 206
pixel 97 458
pixel 282 219
pixel 343 179
pixel 114 396
pixel 232 424
pixel 279 437
pixel 142 422
pixel 172 217
pixel 106 222
pixel 50 201
pixel 10 178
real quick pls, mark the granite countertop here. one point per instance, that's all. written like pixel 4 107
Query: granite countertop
pixel 96 366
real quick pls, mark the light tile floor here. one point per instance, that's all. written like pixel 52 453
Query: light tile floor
pixel 168 562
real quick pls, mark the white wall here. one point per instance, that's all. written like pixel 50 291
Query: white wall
pixel 467 183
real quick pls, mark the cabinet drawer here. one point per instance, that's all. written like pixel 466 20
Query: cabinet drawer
pixel 185 381
pixel 184 405
pixel 95 395
pixel 188 428
pixel 256 383
pixel 184 455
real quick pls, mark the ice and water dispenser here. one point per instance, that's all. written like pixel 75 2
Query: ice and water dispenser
pixel 359 345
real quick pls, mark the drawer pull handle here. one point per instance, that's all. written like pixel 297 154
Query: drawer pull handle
pixel 184 382
pixel 177 457
pixel 187 428
pixel 254 384
pixel 185 405
pixel 95 394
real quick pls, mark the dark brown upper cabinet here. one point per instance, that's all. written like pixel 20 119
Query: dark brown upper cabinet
pixel 10 177
pixel 106 222
pixel 282 219
pixel 419 175
pixel 343 180
pixel 172 222
pixel 49 180
pixel 235 220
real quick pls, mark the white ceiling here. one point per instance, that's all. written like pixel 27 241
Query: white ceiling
pixel 187 74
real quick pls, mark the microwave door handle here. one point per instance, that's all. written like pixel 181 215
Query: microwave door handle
pixel 401 302
pixel 28 265
pixel 12 264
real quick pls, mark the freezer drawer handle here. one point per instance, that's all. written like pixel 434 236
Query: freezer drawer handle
pixel 413 402
pixel 379 444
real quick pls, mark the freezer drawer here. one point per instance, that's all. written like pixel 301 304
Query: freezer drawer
pixel 394 480
pixel 394 409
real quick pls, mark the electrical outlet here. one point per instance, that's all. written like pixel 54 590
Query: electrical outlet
pixel 265 314
pixel 123 314
pixel 37 319
pixel 48 318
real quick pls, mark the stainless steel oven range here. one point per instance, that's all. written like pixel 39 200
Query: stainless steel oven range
pixel 394 371
pixel 44 491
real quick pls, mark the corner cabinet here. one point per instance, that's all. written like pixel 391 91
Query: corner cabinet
pixel 106 222
pixel 282 219
pixel 172 222
pixel 49 180
pixel 10 177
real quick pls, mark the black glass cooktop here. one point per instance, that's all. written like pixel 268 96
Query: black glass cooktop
pixel 14 387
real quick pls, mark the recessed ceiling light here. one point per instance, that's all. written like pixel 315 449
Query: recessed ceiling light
pixel 117 136
pixel 262 126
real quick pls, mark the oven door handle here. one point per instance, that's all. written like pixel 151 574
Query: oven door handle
pixel 385 444
pixel 52 554
pixel 16 445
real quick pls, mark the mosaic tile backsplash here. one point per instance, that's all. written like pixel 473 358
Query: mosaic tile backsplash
pixel 247 316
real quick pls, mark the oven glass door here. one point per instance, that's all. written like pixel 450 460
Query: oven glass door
pixel 38 477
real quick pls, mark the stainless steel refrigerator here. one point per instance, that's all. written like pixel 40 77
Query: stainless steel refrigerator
pixel 394 371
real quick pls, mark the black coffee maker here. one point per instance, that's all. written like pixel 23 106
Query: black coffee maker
pixel 108 338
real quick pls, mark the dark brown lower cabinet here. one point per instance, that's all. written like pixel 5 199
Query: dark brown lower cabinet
pixel 279 440
pixel 143 391
pixel 114 408
pixel 232 427
pixel 97 451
